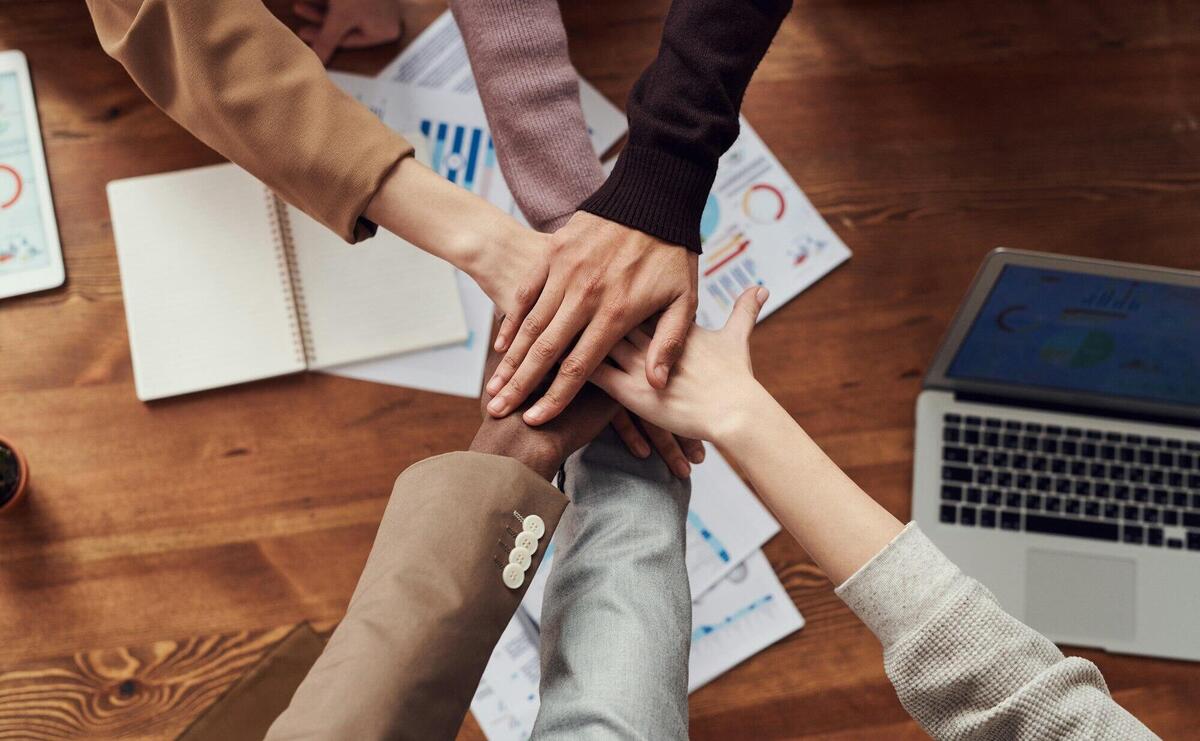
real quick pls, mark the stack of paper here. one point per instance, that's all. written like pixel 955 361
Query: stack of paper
pixel 739 607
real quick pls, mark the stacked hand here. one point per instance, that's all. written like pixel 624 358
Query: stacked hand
pixel 544 448
pixel 713 384
pixel 350 24
pixel 604 280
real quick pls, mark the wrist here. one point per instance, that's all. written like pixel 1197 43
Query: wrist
pixel 754 408
pixel 538 454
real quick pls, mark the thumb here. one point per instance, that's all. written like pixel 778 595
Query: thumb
pixel 745 312
pixel 669 336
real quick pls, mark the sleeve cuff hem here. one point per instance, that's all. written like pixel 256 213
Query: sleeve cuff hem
pixel 656 193
pixel 901 586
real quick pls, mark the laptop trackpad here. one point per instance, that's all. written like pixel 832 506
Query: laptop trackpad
pixel 1070 594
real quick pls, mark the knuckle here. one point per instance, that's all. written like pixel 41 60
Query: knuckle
pixel 511 361
pixel 516 386
pixel 525 295
pixel 532 325
pixel 553 397
pixel 614 312
pixel 572 369
pixel 672 347
pixel 543 349
pixel 593 285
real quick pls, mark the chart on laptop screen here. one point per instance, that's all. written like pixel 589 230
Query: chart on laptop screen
pixel 1086 333
pixel 22 240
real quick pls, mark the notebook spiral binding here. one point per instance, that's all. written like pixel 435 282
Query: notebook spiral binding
pixel 285 256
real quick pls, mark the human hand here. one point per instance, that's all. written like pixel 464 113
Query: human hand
pixel 604 279
pixel 638 435
pixel 713 383
pixel 352 24
pixel 544 448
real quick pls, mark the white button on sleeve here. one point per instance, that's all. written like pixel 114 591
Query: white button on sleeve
pixel 534 526
pixel 527 541
pixel 514 576
pixel 520 557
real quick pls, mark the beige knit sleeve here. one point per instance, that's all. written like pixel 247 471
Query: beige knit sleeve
pixel 966 669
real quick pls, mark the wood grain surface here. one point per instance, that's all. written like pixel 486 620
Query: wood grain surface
pixel 164 547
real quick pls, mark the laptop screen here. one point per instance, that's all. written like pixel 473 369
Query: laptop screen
pixel 1086 333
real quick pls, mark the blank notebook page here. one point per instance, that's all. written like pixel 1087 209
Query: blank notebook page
pixel 206 300
pixel 381 296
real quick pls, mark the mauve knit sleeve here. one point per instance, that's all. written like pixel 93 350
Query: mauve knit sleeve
pixel 530 92
pixel 683 115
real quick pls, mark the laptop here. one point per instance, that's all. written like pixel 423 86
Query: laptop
pixel 1058 448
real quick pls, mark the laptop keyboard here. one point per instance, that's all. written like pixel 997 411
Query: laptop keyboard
pixel 1010 475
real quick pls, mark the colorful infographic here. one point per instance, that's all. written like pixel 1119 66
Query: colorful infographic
pixel 758 229
pixel 22 239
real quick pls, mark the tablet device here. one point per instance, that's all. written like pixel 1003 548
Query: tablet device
pixel 30 254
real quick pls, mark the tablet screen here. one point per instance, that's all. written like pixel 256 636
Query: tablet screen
pixel 22 234
pixel 1086 333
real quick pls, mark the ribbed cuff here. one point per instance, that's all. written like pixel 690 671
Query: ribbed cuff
pixel 656 193
pixel 897 590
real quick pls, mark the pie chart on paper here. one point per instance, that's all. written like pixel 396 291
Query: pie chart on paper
pixel 10 185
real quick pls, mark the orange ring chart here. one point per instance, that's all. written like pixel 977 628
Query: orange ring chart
pixel 6 170
pixel 763 203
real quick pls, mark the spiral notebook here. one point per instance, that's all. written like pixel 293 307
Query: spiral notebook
pixel 224 283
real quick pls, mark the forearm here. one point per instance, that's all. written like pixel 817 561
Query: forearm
pixel 834 520
pixel 683 115
pixel 429 606
pixel 441 218
pixel 530 92
pixel 241 82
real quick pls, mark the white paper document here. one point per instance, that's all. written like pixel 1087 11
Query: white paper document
pixel 748 611
pixel 758 228
pixel 437 59
pixel 726 522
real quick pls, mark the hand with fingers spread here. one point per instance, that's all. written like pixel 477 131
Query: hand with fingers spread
pixel 349 24
pixel 604 280
pixel 712 383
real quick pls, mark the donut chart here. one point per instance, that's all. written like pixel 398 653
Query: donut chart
pixel 763 203
pixel 11 186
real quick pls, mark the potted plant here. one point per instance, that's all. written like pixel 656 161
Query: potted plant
pixel 14 475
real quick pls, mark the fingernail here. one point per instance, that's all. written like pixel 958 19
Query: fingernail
pixel 660 372
pixel 499 344
pixel 681 468
pixel 641 450
pixel 496 406
pixel 495 385
pixel 698 456
pixel 761 294
pixel 535 414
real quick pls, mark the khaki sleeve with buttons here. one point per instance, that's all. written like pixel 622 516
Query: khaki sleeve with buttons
pixel 229 72
pixel 430 605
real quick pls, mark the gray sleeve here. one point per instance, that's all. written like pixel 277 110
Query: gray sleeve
pixel 966 669
pixel 617 614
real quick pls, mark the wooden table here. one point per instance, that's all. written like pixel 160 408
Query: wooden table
pixel 166 546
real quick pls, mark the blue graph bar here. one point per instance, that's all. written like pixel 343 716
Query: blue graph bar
pixel 709 629
pixel 456 150
pixel 472 158
pixel 695 521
